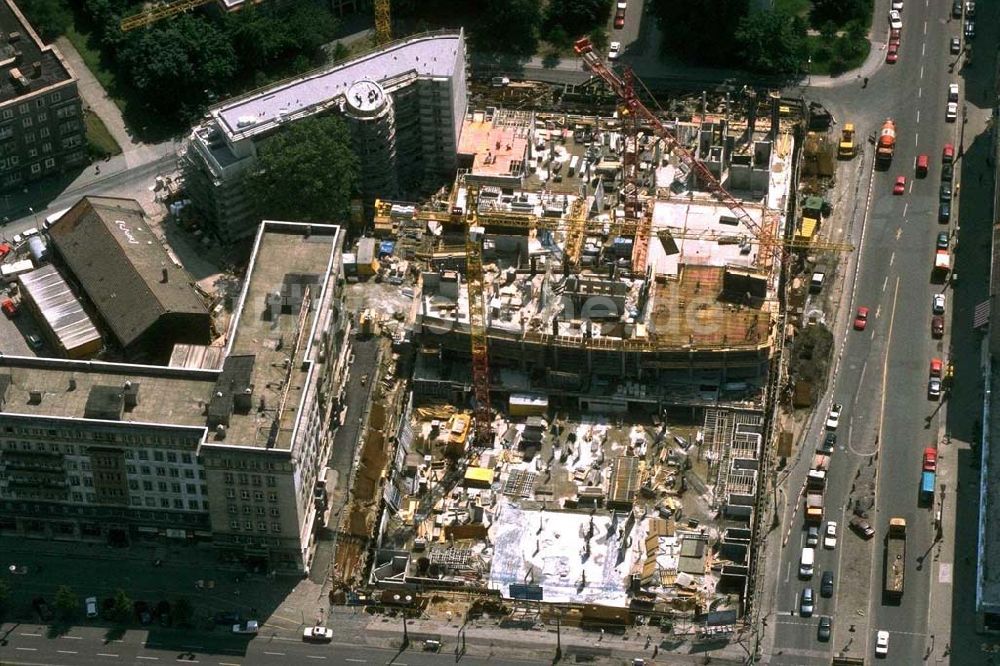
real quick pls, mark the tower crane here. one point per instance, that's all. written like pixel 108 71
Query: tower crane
pixel 482 414
pixel 624 88
pixel 383 22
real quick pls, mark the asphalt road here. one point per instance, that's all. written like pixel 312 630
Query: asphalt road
pixel 33 645
pixel 882 373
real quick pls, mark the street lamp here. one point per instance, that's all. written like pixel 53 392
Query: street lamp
pixel 558 635
pixel 810 70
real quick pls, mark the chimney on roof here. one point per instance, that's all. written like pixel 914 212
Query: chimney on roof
pixel 36 69
pixel 164 275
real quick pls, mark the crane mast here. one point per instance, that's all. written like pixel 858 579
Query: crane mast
pixel 482 415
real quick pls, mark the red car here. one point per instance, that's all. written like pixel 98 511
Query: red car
pixel 4 250
pixel 937 326
pixel 892 53
pixel 923 163
pixel 936 367
pixel 894 35
pixel 948 154
pixel 620 19
pixel 8 307
pixel 930 459
pixel 861 319
pixel 900 186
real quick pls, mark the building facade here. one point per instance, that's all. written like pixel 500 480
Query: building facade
pixel 404 103
pixel 234 456
pixel 41 116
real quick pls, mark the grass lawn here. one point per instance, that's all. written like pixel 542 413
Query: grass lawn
pixel 92 58
pixel 99 140
pixel 819 49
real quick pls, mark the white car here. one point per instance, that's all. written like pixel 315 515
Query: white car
pixel 934 388
pixel 830 538
pixel 614 50
pixel 318 633
pixel 897 5
pixel 937 305
pixel 250 628
pixel 91 604
pixel 895 20
pixel 833 419
pixel 951 113
pixel 882 643
pixel 622 5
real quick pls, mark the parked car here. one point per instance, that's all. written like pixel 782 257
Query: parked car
pixel 936 368
pixel 938 303
pixel 614 50
pixel 829 441
pixel 944 212
pixel 862 527
pixel 970 29
pixel 951 112
pixel 90 603
pixel 833 418
pixel 8 307
pixel 142 613
pixel 892 53
pixel 895 20
pixel 812 536
pixel 937 326
pixel 881 643
pixel 948 154
pixel 826 584
pixel 933 388
pixel 227 618
pixel 942 241
pixel 947 172
pixel 317 634
pixel 34 341
pixel 830 536
pixel 956 9
pixel 807 603
pixel 956 45
pixel 825 628
pixel 861 319
pixel 930 459
pixel 250 628
pixel 5 249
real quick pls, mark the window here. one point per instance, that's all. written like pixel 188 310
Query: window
pixel 129 468
pixel 72 141
pixel 274 511
pixel 175 488
pixel 26 122
pixel 8 114
pixel 171 457
pixel 144 455
pixel 42 117
pixel 256 479
pixel 188 473
pixel 245 494
pixel 33 153
pixel 175 473
pixel 204 505
pixel 46 147
pixel 204 490
pixel 55 97
pixel 232 508
pixel 244 479
pixel 145 469
pixel 234 524
pixel 275 527
pixel 178 504
pixel 161 486
pixel 161 471
pixel 230 493
pixel 193 505
pixel 228 477
pixel 259 496
pixel 77 497
pixel 88 482
pixel 29 137
pixel 133 485
pixel 136 501
pixel 36 168
pixel 158 456
pixel 272 497
pixel 271 482
pixel 6 132
pixel 164 503
pixel 150 501
pixel 262 526
pixel 259 510
pixel 147 485
pixel 248 525
pixel 186 458
pixel 247 509
pixel 23 108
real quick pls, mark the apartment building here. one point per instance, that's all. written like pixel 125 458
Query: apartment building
pixel 404 103
pixel 41 119
pixel 232 455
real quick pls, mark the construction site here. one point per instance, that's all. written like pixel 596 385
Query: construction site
pixel 592 320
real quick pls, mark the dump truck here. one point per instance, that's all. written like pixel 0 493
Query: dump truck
pixel 847 148
pixel 942 265
pixel 886 143
pixel 814 505
pixel 895 558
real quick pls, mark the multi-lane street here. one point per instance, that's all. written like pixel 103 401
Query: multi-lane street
pixel 881 372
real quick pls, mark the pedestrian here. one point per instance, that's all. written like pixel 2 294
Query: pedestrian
pixel 865 84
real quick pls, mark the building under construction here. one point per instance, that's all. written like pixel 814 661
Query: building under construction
pixel 618 294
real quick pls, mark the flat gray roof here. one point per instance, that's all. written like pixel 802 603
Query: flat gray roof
pixel 61 309
pixel 427 56
pixel 988 578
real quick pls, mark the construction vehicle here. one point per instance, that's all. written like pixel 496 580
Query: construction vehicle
pixel 886 143
pixel 814 505
pixel 847 148
pixel 895 558
pixel 942 265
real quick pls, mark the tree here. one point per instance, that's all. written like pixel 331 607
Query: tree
pixel 263 37
pixel 4 594
pixel 577 17
pixel 175 60
pixel 509 26
pixel 123 607
pixel 307 172
pixel 50 18
pixel 183 611
pixel 839 11
pixel 829 31
pixel 67 602
pixel 599 39
pixel 705 30
pixel 772 42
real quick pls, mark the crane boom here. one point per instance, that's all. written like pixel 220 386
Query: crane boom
pixel 383 22
pixel 626 93
pixel 154 14
pixel 482 414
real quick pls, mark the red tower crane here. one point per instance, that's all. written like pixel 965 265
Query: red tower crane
pixel 624 88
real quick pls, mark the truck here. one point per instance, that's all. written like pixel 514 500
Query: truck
pixel 816 477
pixel 814 505
pixel 942 265
pixel 895 558
pixel 926 487
pixel 886 143
pixel 847 148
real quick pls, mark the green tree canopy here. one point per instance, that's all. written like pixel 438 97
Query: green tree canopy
pixel 67 602
pixel 123 607
pixel 177 60
pixel 306 172
pixel 50 18
pixel 840 12
pixel 772 42
pixel 577 17
pixel 183 611
pixel 701 33
pixel 507 26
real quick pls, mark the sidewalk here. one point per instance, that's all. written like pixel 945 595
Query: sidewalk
pixel 96 98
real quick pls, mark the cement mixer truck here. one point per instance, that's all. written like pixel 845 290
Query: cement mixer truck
pixel 885 144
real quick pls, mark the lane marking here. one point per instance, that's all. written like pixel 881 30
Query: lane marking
pixel 925 27
pixel 67 652
pixel 923 49
pixel 73 638
pixel 139 656
pixel 35 635
pixel 916 138
pixel 906 206
pixel 885 283
pixel 27 649
pixel 356 661
pixel 921 72
pixel 106 654
pixel 276 654
pixel 892 258
pixel 918 116
pixel 315 656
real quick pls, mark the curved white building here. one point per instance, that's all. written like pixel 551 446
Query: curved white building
pixel 405 104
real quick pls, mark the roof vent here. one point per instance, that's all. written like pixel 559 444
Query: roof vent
pixel 34 397
pixel 18 79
